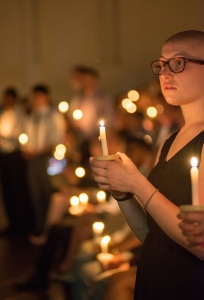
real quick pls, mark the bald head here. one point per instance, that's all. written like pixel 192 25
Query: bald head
pixel 187 36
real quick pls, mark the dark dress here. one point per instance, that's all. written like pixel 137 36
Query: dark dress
pixel 166 270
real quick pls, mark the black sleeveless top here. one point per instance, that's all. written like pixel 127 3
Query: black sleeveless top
pixel 167 271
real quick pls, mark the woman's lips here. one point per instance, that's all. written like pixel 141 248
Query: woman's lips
pixel 168 87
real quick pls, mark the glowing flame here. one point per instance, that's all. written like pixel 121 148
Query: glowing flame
pixel 83 197
pixel 74 201
pixel 194 162
pixel 101 196
pixel 23 138
pixel 102 123
pixel 106 239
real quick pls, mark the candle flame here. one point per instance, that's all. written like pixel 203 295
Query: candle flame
pixel 98 226
pixel 102 123
pixel 74 201
pixel 105 239
pixel 194 162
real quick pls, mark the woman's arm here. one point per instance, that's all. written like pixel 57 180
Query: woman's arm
pixel 125 177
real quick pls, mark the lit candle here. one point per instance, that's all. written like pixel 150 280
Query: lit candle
pixel 104 243
pixel 101 196
pixel 83 197
pixel 98 230
pixel 194 180
pixel 103 140
pixel 74 202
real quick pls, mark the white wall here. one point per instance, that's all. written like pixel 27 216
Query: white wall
pixel 40 40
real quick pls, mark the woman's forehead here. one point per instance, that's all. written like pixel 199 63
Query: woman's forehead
pixel 187 48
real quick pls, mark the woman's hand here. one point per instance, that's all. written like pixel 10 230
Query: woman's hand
pixel 192 227
pixel 118 175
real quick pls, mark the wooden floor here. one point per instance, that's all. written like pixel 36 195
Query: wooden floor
pixel 17 260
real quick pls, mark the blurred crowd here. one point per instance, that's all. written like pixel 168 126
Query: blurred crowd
pixel 46 184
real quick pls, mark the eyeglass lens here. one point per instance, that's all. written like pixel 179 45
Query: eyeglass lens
pixel 176 65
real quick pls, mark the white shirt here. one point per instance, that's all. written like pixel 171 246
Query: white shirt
pixel 11 126
pixel 47 130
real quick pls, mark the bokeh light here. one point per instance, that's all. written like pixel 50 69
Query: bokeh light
pixel 83 197
pixel 126 102
pixel 74 201
pixel 80 172
pixel 101 196
pixel 151 112
pixel 132 108
pixel 77 114
pixel 60 148
pixel 23 138
pixel 133 95
pixel 58 155
pixel 63 106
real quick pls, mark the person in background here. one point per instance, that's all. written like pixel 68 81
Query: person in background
pixel 45 128
pixel 94 104
pixel 12 167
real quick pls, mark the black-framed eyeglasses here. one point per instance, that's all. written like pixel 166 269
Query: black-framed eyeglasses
pixel 176 64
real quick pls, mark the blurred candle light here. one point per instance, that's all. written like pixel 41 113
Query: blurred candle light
pixel 61 148
pixel 75 207
pixel 101 196
pixel 98 228
pixel 104 243
pixel 151 112
pixel 131 109
pixel 63 107
pixel 58 155
pixel 133 95
pixel 77 114
pixel 126 102
pixel 102 138
pixel 83 198
pixel 80 172
pixel 23 139
pixel 194 172
pixel 74 201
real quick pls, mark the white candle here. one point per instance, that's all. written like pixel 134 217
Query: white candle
pixel 103 140
pixel 104 244
pixel 194 180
